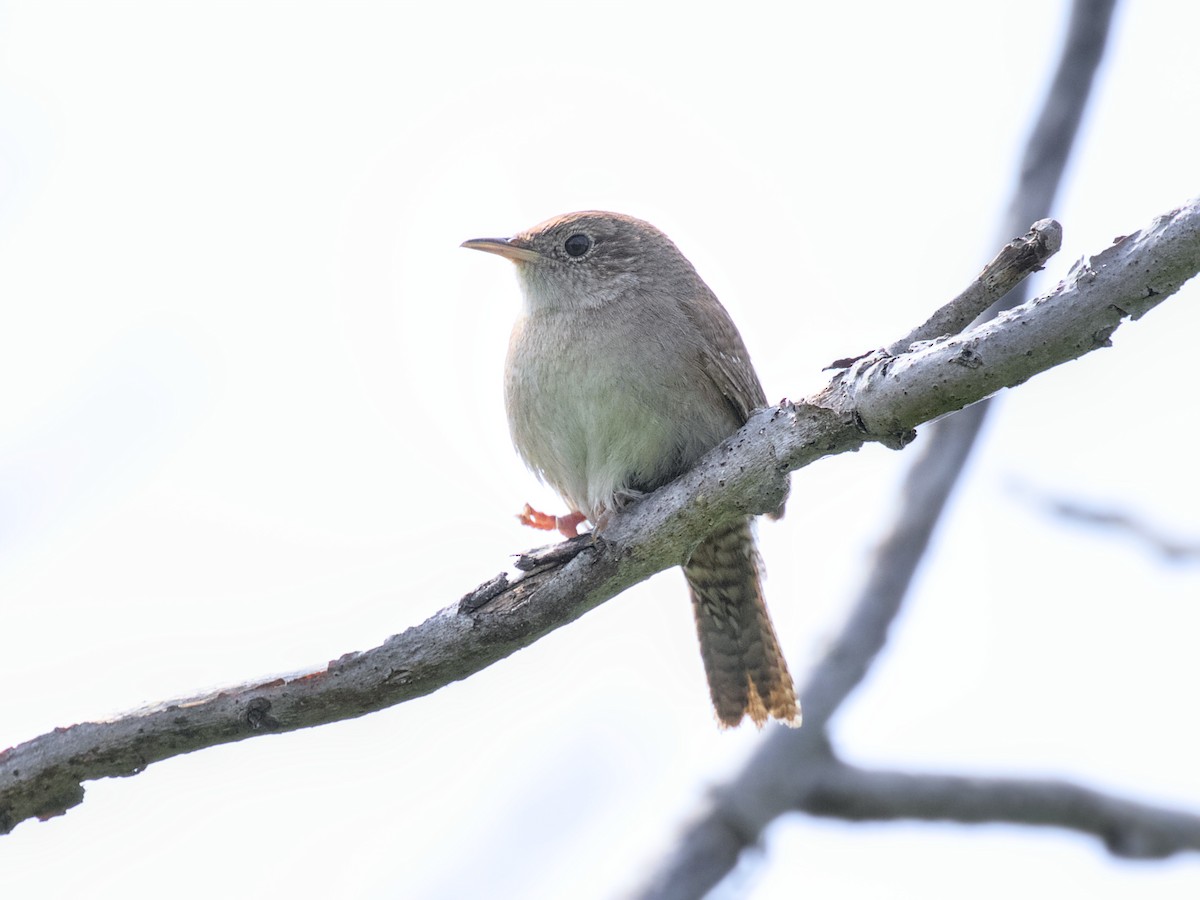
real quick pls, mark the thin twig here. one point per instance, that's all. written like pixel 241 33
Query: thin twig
pixel 1170 547
pixel 1020 258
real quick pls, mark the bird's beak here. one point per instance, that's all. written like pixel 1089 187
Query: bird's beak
pixel 511 248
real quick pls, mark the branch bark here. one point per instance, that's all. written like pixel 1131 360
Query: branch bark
pixel 879 398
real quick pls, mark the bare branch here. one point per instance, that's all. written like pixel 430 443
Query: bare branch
pixel 1049 144
pixel 1130 830
pixel 1020 258
pixel 823 785
pixel 888 393
pixel 1170 547
pixel 882 398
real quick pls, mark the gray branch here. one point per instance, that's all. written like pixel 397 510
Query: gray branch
pixel 880 398
pixel 1172 548
pixel 822 785
pixel 1129 830
pixel 1012 265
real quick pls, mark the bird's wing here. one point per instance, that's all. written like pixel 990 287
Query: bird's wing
pixel 724 357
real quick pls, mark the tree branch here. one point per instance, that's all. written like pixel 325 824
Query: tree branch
pixel 1129 830
pixel 880 398
pixel 820 784
pixel 1170 547
pixel 1013 264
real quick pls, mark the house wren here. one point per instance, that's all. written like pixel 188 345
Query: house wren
pixel 622 372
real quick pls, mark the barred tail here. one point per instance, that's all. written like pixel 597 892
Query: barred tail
pixel 747 674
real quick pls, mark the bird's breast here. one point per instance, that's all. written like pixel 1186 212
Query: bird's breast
pixel 598 406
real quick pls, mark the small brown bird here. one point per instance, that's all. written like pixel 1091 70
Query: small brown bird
pixel 623 371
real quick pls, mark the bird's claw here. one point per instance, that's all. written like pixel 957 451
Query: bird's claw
pixel 567 526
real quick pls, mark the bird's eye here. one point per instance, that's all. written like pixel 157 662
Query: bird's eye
pixel 577 245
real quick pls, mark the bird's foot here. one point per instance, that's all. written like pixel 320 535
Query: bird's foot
pixel 567 526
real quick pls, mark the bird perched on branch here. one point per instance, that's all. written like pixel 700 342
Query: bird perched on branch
pixel 623 370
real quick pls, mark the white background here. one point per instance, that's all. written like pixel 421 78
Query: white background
pixel 251 420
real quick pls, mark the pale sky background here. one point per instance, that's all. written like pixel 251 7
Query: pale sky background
pixel 252 420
